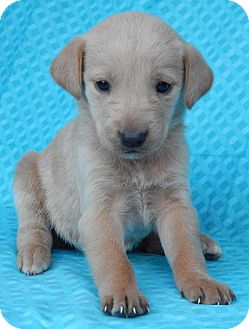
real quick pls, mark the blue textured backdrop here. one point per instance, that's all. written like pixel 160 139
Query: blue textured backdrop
pixel 33 109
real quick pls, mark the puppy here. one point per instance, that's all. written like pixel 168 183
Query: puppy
pixel 118 171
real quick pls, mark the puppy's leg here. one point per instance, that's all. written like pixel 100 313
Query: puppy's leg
pixel 34 239
pixel 103 243
pixel 179 235
pixel 151 244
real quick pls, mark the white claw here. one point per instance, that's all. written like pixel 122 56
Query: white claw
pixel 134 310
pixel 105 308
pixel 121 309
pixel 148 309
pixel 229 303
pixel 218 303
pixel 199 300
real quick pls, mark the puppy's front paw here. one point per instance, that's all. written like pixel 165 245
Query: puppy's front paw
pixel 33 259
pixel 202 289
pixel 125 303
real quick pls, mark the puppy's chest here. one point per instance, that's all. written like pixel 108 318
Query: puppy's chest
pixel 140 214
pixel 140 201
pixel 141 194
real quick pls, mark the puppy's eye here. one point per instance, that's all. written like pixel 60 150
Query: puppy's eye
pixel 163 87
pixel 103 85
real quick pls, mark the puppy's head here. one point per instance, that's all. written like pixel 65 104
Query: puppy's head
pixel 136 73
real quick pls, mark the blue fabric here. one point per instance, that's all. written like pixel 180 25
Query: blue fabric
pixel 33 109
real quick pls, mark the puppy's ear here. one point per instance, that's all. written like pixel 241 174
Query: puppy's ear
pixel 198 76
pixel 66 68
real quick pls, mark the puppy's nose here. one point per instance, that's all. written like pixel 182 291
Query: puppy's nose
pixel 132 139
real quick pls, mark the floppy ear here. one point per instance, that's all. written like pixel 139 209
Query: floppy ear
pixel 66 68
pixel 198 75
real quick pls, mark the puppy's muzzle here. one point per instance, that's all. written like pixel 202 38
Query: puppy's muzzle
pixel 132 139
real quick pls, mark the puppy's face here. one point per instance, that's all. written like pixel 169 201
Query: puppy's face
pixel 137 74
pixel 132 88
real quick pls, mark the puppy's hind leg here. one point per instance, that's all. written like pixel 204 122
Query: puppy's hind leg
pixel 34 241
pixel 210 248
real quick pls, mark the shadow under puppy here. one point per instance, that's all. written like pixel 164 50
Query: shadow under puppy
pixel 118 171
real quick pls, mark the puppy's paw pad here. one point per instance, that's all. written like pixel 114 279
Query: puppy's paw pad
pixel 128 303
pixel 33 260
pixel 205 290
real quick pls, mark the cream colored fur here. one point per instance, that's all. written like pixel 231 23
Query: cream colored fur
pixel 101 199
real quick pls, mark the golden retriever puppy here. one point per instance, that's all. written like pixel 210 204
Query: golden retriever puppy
pixel 118 171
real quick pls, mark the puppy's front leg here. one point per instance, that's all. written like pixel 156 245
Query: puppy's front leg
pixel 102 241
pixel 178 231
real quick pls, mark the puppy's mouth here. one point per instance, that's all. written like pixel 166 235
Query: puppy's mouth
pixel 133 154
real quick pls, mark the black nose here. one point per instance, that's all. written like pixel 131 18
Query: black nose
pixel 132 139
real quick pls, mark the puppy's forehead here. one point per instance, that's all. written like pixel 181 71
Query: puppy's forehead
pixel 132 25
pixel 136 37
